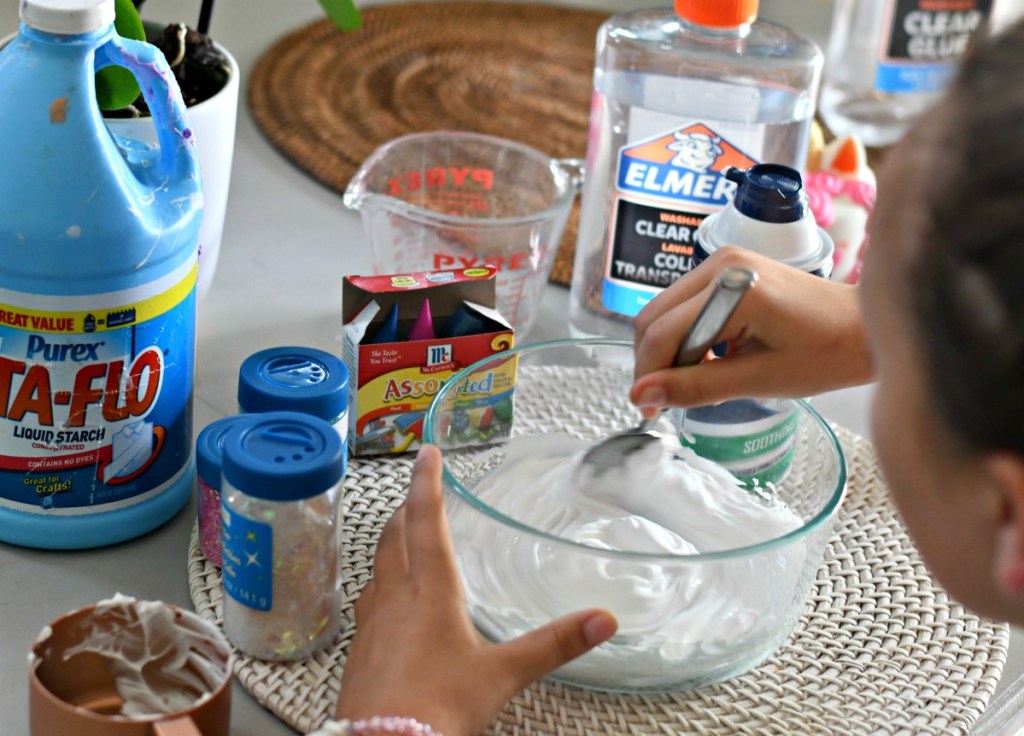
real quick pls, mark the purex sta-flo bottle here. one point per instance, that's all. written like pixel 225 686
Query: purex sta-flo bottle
pixel 97 288
pixel 678 97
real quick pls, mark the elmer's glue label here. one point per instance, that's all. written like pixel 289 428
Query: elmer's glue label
pixel 666 186
pixel 97 294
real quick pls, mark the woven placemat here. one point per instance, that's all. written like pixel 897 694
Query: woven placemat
pixel 880 648
pixel 328 99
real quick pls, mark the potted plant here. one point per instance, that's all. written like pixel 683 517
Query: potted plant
pixel 207 74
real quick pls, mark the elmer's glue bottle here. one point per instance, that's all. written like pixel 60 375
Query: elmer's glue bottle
pixel 678 97
pixel 97 291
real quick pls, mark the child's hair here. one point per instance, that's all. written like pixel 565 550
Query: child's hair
pixel 968 275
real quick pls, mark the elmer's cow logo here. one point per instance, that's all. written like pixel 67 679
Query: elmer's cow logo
pixel 697 151
pixel 684 165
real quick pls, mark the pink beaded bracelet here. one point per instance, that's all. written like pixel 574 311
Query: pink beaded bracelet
pixel 377 725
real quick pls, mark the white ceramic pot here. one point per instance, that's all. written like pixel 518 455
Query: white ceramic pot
pixel 213 123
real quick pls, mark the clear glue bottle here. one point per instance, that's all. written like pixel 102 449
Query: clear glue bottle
pixel 282 514
pixel 97 291
pixel 890 60
pixel 678 97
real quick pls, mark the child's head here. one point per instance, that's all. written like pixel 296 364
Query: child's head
pixel 943 299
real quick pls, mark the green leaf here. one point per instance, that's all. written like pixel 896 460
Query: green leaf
pixel 343 13
pixel 115 86
pixel 127 21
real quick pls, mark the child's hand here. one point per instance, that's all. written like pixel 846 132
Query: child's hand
pixel 792 335
pixel 416 652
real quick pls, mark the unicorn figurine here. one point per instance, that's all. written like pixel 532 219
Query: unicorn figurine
pixel 841 193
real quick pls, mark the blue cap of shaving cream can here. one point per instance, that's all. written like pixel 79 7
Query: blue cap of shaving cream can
pixel 769 214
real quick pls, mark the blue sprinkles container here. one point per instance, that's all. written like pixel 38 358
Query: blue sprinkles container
pixel 293 378
pixel 282 504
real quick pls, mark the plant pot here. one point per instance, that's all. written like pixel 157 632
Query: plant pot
pixel 213 123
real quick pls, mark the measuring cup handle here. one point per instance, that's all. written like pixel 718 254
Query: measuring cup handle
pixel 576 169
pixel 148 64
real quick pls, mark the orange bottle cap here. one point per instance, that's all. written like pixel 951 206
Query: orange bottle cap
pixel 717 13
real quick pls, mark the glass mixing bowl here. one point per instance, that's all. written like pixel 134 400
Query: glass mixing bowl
pixel 685 620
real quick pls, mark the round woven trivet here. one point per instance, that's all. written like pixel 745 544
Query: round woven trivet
pixel 328 99
pixel 880 648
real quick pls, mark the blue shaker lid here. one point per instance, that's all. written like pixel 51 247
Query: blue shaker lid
pixel 294 379
pixel 769 192
pixel 210 449
pixel 283 456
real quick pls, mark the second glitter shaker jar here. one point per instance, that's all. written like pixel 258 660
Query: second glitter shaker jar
pixel 293 378
pixel 282 501
pixel 209 456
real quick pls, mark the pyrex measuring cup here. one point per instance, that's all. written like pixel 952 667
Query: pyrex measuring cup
pixel 447 199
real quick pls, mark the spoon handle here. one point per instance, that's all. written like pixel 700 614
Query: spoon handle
pixel 732 284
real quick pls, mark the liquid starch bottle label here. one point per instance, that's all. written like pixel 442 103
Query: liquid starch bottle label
pixel 922 43
pixel 91 395
pixel 665 185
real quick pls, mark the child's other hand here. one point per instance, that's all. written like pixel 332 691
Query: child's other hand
pixel 416 653
pixel 792 335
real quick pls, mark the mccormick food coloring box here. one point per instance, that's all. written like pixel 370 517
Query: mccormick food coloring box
pixel 404 336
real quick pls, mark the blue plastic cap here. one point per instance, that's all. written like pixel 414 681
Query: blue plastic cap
pixel 300 379
pixel 769 192
pixel 283 456
pixel 210 449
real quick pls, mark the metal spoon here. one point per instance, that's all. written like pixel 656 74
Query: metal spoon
pixel 732 284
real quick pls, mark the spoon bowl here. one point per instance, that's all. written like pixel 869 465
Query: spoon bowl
pixel 732 284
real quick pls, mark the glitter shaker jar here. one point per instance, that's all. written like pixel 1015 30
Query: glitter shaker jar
pixel 282 503
pixel 299 379
pixel 209 454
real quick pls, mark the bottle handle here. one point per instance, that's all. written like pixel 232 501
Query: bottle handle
pixel 174 134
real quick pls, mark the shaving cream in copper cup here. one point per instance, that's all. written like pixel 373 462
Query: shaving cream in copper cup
pixel 124 667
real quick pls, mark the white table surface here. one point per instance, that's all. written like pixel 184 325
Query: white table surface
pixel 287 243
